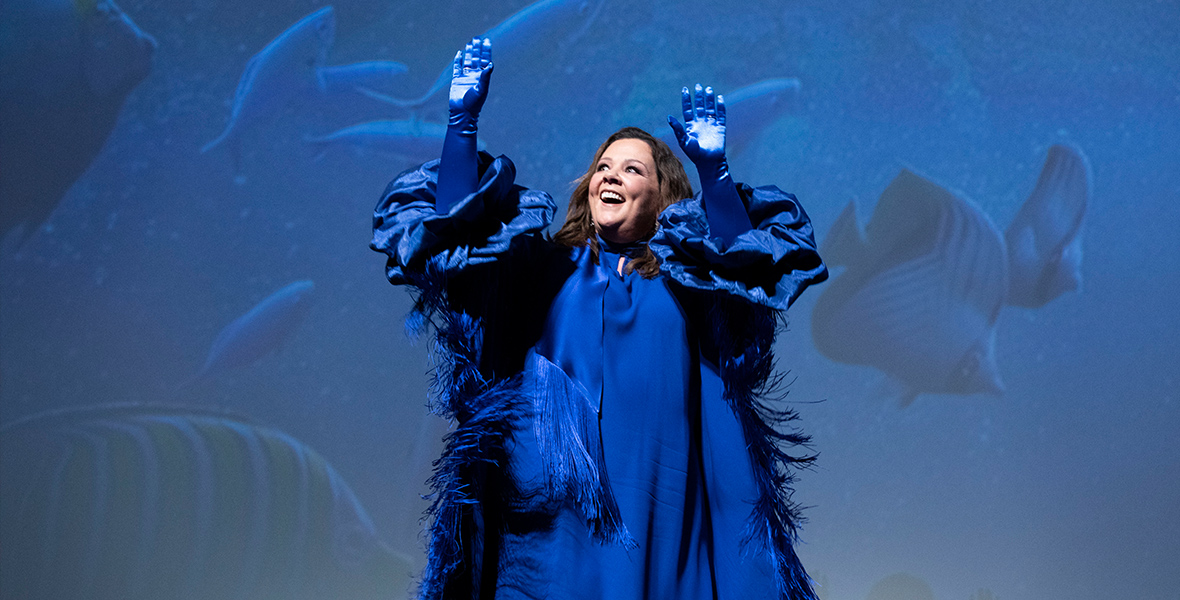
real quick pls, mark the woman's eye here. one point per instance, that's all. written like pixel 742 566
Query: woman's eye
pixel 633 169
pixel 602 167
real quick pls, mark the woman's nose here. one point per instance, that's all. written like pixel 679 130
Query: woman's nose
pixel 610 175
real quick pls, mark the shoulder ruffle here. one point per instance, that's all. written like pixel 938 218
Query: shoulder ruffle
pixel 476 230
pixel 771 264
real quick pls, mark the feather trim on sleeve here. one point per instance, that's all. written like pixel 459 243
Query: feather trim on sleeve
pixel 752 389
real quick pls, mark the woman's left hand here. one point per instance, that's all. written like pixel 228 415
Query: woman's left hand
pixel 702 137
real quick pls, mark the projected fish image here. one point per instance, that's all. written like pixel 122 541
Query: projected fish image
pixel 260 331
pixel 1045 237
pixel 287 68
pixel 137 502
pixel 921 291
pixel 66 69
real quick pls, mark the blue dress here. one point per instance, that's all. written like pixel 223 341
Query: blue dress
pixel 613 437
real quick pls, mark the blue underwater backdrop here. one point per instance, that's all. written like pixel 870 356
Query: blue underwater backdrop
pixel 205 386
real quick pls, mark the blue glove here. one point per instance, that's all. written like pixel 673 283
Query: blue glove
pixel 458 170
pixel 702 138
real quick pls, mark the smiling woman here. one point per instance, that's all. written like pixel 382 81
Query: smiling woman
pixel 640 177
pixel 623 192
pixel 611 388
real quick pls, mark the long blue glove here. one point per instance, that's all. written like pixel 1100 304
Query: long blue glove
pixel 702 138
pixel 458 170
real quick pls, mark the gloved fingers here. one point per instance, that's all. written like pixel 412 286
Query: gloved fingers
pixel 721 110
pixel 485 54
pixel 677 128
pixel 710 103
pixel 698 102
pixel 476 55
pixel 686 104
pixel 471 55
pixel 457 66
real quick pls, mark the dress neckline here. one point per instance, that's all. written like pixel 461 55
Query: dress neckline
pixel 611 255
pixel 630 249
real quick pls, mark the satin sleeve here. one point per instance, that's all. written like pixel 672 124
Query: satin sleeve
pixel 477 229
pixel 770 264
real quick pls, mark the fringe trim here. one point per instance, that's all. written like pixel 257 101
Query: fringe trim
pixel 570 442
pixel 751 386
pixel 565 426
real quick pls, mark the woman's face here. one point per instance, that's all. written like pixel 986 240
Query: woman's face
pixel 625 192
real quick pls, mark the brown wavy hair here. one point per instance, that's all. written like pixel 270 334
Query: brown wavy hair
pixel 578 229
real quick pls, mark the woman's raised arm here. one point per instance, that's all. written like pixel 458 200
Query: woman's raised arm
pixel 702 137
pixel 458 170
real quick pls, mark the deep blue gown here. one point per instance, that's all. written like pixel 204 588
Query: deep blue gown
pixel 611 442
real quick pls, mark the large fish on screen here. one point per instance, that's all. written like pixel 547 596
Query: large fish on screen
pixel 1045 237
pixel 128 502
pixel 920 294
pixel 65 70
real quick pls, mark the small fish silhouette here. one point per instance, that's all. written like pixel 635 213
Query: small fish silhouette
pixel 374 75
pixel 538 27
pixel 415 141
pixel 260 331
pixel 289 66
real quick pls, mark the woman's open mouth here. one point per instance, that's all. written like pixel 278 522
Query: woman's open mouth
pixel 609 197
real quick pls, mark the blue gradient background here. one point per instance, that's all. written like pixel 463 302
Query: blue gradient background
pixel 1066 487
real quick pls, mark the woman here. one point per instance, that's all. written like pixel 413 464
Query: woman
pixel 608 386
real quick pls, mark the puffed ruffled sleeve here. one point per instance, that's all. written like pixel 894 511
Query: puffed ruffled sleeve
pixel 477 229
pixel 770 264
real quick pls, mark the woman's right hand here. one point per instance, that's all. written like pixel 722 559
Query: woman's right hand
pixel 469 84
pixel 458 170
